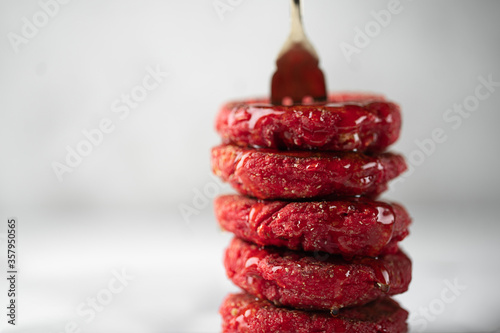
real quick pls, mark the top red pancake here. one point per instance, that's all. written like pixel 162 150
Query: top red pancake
pixel 347 122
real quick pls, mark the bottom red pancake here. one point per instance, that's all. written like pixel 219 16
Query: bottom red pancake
pixel 242 313
pixel 314 280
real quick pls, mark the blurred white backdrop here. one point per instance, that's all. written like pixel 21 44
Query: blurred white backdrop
pixel 69 72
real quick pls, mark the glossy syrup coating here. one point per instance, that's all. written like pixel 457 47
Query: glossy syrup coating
pixel 244 313
pixel 351 227
pixel 295 175
pixel 347 122
pixel 314 280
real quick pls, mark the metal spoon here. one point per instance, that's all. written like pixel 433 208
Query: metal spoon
pixel 298 78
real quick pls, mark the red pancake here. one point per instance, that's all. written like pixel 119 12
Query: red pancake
pixel 355 227
pixel 314 281
pixel 363 122
pixel 273 174
pixel 243 313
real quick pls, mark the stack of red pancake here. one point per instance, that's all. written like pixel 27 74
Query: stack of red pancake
pixel 314 249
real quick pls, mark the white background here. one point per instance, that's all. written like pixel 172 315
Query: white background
pixel 120 207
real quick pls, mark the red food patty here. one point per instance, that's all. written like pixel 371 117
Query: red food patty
pixel 351 227
pixel 273 174
pixel 314 280
pixel 346 122
pixel 243 313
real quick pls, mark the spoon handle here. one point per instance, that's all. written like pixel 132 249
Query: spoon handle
pixel 297 32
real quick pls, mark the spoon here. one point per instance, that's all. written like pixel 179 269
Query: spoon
pixel 298 78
